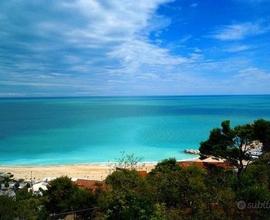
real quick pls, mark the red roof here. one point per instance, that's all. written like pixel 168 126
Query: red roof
pixel 185 164
pixel 142 173
pixel 91 185
pixel 205 165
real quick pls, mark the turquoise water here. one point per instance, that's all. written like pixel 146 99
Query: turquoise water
pixel 89 130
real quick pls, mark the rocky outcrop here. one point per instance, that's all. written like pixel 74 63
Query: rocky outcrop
pixel 192 151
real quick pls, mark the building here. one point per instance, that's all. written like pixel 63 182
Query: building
pixel 91 185
pixel 207 163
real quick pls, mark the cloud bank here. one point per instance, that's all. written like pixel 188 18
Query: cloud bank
pixel 99 47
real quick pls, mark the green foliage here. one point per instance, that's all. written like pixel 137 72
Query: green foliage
pixel 159 212
pixel 23 194
pixel 7 208
pixel 166 165
pixel 256 185
pixel 178 188
pixel 262 133
pixel 192 193
pixel 127 197
pixel 28 208
pixel 227 142
pixel 62 195
pixel 124 179
pixel 25 206
pixel 230 144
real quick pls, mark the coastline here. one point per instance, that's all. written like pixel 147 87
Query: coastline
pixel 92 171
pixel 75 171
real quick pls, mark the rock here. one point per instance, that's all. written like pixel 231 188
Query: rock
pixel 191 151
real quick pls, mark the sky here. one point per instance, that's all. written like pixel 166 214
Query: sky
pixel 128 47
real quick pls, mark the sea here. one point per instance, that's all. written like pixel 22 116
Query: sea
pixel 47 131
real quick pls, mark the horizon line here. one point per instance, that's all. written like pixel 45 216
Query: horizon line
pixel 125 96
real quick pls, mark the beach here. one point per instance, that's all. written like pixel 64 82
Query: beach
pixel 80 171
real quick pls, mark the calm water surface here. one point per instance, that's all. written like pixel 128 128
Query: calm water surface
pixel 88 130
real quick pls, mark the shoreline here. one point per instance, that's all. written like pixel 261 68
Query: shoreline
pixel 105 163
pixel 75 171
pixel 91 171
pixel 74 164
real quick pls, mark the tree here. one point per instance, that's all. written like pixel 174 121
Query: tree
pixel 7 208
pixel 261 130
pixel 178 188
pixel 63 195
pixel 218 140
pixel 256 180
pixel 191 192
pixel 166 180
pixel 165 166
pixel 128 161
pixel 28 208
pixel 230 144
pixel 127 196
pixel 27 204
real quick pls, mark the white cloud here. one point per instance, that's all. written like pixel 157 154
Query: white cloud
pixel 113 21
pixel 138 54
pixel 102 29
pixel 253 74
pixel 237 48
pixel 239 31
pixel 98 47
pixel 83 38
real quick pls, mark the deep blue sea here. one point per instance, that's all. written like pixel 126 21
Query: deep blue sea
pixel 98 129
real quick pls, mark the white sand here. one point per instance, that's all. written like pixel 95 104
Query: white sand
pixel 93 172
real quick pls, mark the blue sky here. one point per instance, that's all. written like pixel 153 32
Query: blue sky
pixel 126 47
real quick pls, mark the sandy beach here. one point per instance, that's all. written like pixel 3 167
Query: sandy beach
pixel 85 171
